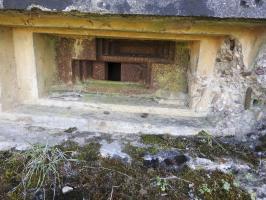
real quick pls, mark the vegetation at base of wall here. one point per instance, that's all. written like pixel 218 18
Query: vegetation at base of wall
pixel 94 177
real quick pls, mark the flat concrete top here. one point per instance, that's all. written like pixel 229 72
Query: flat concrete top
pixel 249 9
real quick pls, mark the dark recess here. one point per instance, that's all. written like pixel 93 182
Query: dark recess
pixel 114 71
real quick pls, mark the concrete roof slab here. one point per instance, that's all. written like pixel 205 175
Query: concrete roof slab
pixel 195 8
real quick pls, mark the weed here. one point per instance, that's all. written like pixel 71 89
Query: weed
pixel 42 167
pixel 226 185
pixel 210 139
pixel 205 189
pixel 161 183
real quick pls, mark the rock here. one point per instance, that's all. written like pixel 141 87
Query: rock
pixel 144 115
pixel 106 112
pixel 262 127
pixel 262 138
pixel 23 147
pixel 67 189
pixel 36 128
pixel 261 192
pixel 6 145
pixel 39 195
pixel 67 96
pixel 225 165
pixel 248 98
pixel 113 150
pixel 151 163
pixel 260 116
pixel 177 160
pixel 166 159
pixel 261 146
pixel 143 192
pixel 71 130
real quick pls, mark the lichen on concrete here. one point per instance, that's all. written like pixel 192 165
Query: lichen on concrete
pixel 170 80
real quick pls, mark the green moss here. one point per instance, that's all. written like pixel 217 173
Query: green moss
pixel 89 152
pixel 172 78
pixel 96 177
pixel 134 178
pixel 214 185
pixel 11 166
pixel 138 152
pixel 69 146
pixel 153 139
pixel 202 145
pixel 165 141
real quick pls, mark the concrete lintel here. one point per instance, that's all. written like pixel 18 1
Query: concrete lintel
pixel 129 23
pixel 84 33
pixel 25 66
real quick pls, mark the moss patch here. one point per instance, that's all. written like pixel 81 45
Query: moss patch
pixel 213 185
pixel 172 78
pixel 95 177
pixel 202 145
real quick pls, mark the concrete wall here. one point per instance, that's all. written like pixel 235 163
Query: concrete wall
pixel 201 73
pixel 8 80
pixel 45 56
pixel 27 59
pixel 170 80
pixel 25 65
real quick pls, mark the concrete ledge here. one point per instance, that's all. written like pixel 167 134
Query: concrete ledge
pixel 99 126
pixel 121 108
pixel 53 117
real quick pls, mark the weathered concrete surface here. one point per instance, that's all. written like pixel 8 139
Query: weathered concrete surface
pixel 203 56
pixel 260 67
pixel 25 65
pixel 44 49
pixel 170 80
pixel 234 110
pixel 7 69
pixel 97 120
pixel 206 8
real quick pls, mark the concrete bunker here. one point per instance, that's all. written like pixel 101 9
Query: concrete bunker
pixel 135 66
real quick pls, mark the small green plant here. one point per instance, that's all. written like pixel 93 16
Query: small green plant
pixel 161 183
pixel 204 189
pixel 210 139
pixel 226 185
pixel 42 167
